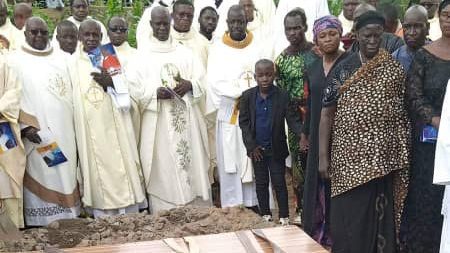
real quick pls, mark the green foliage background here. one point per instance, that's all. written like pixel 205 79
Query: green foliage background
pixel 104 12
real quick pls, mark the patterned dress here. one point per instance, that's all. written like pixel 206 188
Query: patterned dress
pixel 291 76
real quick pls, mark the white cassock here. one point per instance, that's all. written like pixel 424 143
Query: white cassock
pixel 143 29
pixel 12 163
pixel 265 10
pixel 15 36
pixel 313 9
pixel 442 169
pixel 50 193
pixel 194 41
pixel 105 38
pixel 109 161
pixel 435 32
pixel 174 141
pixel 347 25
pixel 230 72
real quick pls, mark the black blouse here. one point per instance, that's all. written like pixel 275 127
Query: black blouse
pixel 426 85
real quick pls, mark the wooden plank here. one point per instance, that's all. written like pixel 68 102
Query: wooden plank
pixel 291 239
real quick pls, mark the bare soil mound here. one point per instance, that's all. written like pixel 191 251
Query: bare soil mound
pixel 179 222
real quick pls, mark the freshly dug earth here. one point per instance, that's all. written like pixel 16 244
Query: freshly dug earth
pixel 175 223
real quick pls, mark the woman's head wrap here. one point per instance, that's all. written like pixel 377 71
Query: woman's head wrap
pixel 326 22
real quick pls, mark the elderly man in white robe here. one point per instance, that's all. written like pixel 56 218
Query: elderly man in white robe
pixel 442 169
pixel 230 72
pixel 80 12
pixel 313 10
pixel 109 162
pixel 264 13
pixel 10 37
pixel 50 186
pixel 144 30
pixel 67 39
pixel 168 81
pixel 12 163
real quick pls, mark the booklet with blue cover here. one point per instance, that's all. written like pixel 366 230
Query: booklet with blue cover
pixel 7 138
pixel 429 134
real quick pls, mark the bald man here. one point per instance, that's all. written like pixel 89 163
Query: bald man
pixel 106 140
pixel 390 42
pixel 67 37
pixel 415 29
pixel 50 182
pixel 22 11
pixel 10 37
pixel 230 72
pixel 174 142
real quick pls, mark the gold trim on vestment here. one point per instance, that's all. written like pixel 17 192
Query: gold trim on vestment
pixel 28 119
pixel 227 40
pixel 51 196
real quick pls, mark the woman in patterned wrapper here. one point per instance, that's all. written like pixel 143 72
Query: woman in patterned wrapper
pixel 364 116
pixel 291 64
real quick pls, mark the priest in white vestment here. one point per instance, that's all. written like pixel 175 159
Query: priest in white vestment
pixel 442 169
pixel 80 12
pixel 67 39
pixel 143 29
pixel 230 72
pixel 346 16
pixel 184 33
pixel 118 35
pixel 12 37
pixel 109 162
pixel 261 31
pixel 50 187
pixel 313 10
pixel 12 162
pixel 174 141
pixel 264 13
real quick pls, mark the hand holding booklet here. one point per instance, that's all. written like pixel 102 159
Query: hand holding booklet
pixel 49 149
pixel 105 57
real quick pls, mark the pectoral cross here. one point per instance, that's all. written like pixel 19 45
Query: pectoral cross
pixel 248 78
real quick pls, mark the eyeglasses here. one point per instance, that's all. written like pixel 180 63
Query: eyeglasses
pixel 36 32
pixel 118 29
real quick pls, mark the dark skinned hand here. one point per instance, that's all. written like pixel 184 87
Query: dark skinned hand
pixel 103 79
pixel 4 42
pixel 31 134
pixel 324 165
pixel 163 93
pixel 257 154
pixel 304 143
pixel 183 87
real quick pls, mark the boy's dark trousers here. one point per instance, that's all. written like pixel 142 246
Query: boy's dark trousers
pixel 277 169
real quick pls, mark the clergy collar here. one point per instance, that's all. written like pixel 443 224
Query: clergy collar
pixel 28 49
pixel 182 36
pixel 162 46
pixel 227 40
pixel 256 23
pixel 124 46
pixel 76 22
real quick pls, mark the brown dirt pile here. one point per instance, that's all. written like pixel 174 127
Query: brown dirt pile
pixel 175 223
